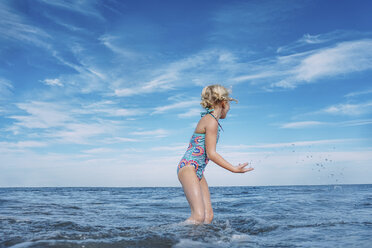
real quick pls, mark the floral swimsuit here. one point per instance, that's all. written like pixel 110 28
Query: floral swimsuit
pixel 195 154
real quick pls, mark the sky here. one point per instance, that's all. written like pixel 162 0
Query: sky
pixel 107 93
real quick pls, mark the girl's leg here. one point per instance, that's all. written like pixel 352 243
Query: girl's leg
pixel 207 201
pixel 191 187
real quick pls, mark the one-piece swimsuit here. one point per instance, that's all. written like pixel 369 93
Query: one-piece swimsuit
pixel 196 154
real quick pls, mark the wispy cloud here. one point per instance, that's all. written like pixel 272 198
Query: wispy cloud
pixel 152 133
pixel 87 8
pixel 99 150
pixel 53 82
pixel 109 108
pixel 202 68
pixel 14 27
pixel 23 144
pixel 191 113
pixel 41 115
pixel 69 123
pixel 79 133
pixel 89 78
pixel 177 105
pixel 6 88
pixel 358 93
pixel 249 19
pixel 310 124
pixel 309 41
pixel 349 109
pixel 357 122
pixel 345 57
pixel 160 83
pixel 306 67
pixel 110 42
pixel 302 124
pixel 120 140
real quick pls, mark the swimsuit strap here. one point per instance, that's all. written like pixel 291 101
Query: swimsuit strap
pixel 209 112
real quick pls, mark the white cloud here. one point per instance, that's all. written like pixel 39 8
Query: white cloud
pixel 307 124
pixel 178 105
pixel 309 40
pixel 114 111
pixel 358 93
pixel 190 113
pixel 160 83
pixel 79 133
pixel 312 39
pixel 154 133
pixel 108 108
pixel 349 109
pixel 23 144
pixel 246 20
pixel 345 57
pixel 86 8
pixel 14 27
pixel 64 23
pixel 302 124
pixel 6 88
pixel 90 78
pixel 202 68
pixel 357 122
pixel 305 67
pixel 53 82
pixel 68 123
pixel 127 112
pixel 120 140
pixel 99 150
pixel 110 42
pixel 41 115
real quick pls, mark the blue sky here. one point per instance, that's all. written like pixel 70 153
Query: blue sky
pixel 106 93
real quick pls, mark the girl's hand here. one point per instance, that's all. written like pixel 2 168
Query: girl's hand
pixel 240 168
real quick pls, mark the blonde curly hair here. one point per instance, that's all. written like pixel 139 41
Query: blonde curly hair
pixel 214 94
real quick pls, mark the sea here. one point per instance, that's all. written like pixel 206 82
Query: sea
pixel 264 216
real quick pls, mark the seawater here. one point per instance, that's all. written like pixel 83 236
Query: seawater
pixel 275 216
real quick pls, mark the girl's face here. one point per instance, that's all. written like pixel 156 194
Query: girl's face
pixel 225 109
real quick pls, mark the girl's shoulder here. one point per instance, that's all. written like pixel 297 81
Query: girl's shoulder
pixel 206 122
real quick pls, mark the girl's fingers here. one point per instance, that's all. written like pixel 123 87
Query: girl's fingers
pixel 242 169
pixel 243 165
pixel 246 170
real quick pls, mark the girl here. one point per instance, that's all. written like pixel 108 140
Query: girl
pixel 202 148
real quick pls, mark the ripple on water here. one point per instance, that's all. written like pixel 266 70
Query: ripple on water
pixel 252 226
pixel 244 217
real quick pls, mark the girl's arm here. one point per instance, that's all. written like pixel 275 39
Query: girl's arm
pixel 210 146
